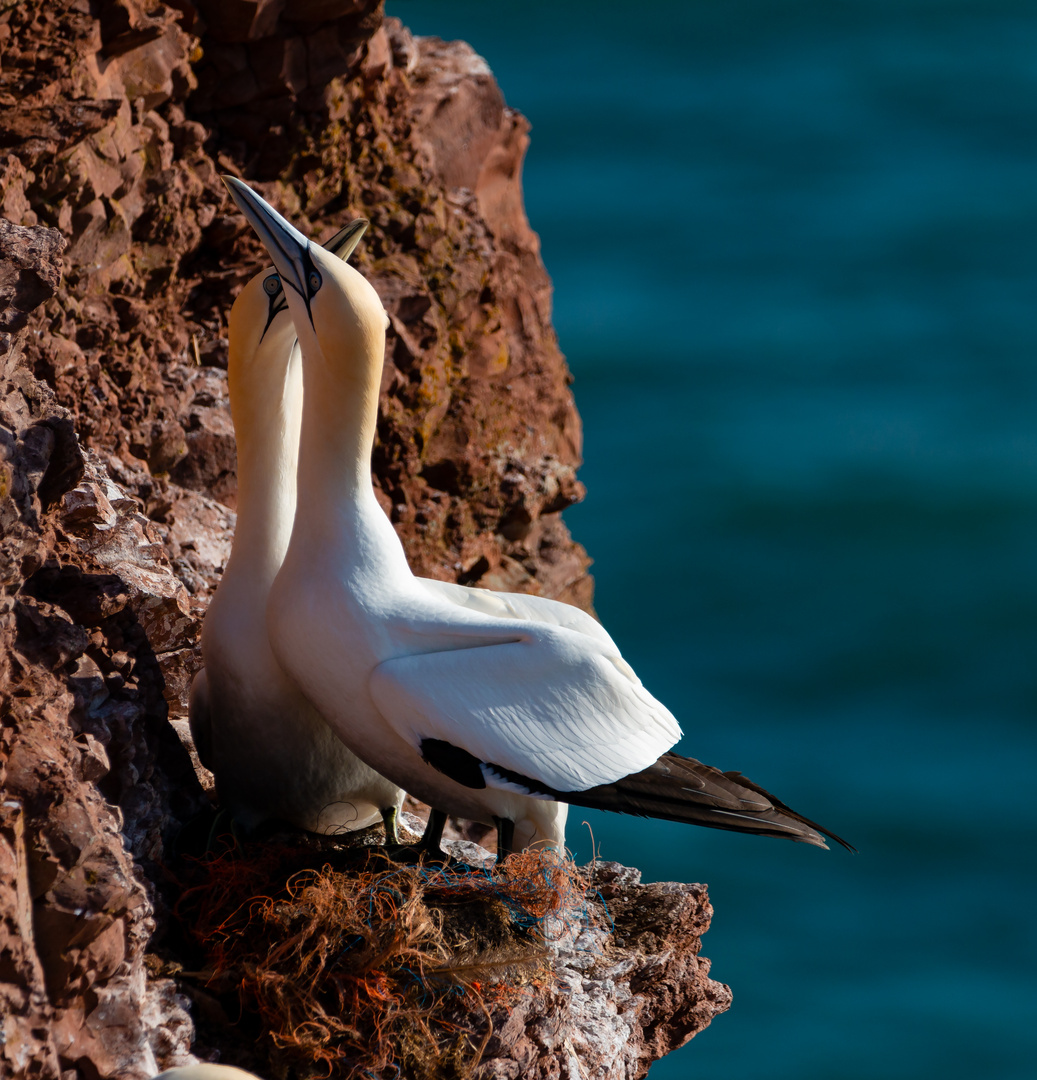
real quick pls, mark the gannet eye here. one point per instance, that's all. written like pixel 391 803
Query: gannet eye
pixel 314 280
pixel 272 285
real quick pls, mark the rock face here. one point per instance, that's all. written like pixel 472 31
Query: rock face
pixel 630 986
pixel 479 438
pixel 88 602
pixel 120 255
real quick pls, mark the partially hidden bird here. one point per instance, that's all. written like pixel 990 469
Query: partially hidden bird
pixel 206 1071
pixel 272 754
pixel 492 706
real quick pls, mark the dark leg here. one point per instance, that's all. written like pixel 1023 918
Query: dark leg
pixel 429 847
pixel 390 815
pixel 505 838
pixel 432 838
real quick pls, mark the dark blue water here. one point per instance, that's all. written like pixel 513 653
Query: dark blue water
pixel 794 248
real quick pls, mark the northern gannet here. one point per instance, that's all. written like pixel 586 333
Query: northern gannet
pixel 271 753
pixel 495 707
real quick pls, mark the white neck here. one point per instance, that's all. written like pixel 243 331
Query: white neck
pixel 268 450
pixel 337 504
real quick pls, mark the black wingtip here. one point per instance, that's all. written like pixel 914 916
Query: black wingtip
pixel 744 781
pixel 682 789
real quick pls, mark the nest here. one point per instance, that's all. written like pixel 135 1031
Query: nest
pixel 355 966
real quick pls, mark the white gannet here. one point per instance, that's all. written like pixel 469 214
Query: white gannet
pixel 495 707
pixel 271 753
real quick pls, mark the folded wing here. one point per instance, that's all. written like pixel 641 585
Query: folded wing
pixel 546 708
pixel 506 605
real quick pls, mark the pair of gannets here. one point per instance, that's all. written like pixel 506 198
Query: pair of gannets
pixel 496 707
pixel 271 753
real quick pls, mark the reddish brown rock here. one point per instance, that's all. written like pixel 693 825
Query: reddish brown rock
pixel 85 805
pixel 120 255
pixel 629 985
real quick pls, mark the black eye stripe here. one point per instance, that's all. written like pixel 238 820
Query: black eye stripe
pixel 312 277
pixel 276 302
pixel 311 281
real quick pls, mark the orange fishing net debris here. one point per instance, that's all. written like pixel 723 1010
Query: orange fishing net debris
pixel 359 967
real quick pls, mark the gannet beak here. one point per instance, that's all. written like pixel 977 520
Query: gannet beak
pixel 288 248
pixel 344 242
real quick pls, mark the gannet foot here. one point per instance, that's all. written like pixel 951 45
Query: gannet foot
pixel 429 848
pixel 414 854
pixel 390 819
pixel 505 838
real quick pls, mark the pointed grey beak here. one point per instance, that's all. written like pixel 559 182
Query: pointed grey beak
pixel 344 242
pixel 288 248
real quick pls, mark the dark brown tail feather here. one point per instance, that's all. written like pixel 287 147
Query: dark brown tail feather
pixel 682 789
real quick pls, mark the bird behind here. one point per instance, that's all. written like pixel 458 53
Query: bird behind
pixel 272 754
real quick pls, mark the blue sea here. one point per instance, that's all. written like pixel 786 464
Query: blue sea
pixel 794 249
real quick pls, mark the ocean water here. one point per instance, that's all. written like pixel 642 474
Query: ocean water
pixel 794 248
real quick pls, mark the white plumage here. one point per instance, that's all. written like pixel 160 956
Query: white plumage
pixel 272 754
pixel 206 1071
pixel 486 705
pixel 547 702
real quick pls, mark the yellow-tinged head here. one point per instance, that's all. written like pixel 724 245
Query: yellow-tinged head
pixel 329 300
pixel 262 334
pixel 346 317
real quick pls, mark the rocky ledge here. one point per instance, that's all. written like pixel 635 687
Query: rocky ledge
pixel 119 258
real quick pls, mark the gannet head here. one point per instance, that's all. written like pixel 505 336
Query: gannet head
pixel 260 330
pixel 332 305
pixel 260 324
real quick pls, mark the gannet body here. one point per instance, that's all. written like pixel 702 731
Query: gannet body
pixel 491 706
pixel 272 754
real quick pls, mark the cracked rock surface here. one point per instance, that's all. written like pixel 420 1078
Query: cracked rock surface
pixel 120 256
pixel 630 985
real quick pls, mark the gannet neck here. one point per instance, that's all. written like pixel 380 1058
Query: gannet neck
pixel 267 468
pixel 265 379
pixel 264 374
pixel 341 324
pixel 340 415
pixel 341 332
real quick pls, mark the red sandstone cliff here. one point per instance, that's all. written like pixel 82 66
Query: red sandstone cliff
pixel 119 258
